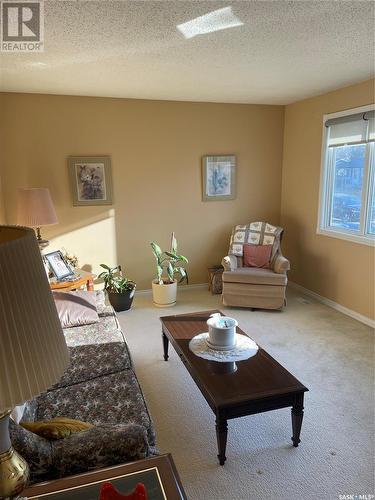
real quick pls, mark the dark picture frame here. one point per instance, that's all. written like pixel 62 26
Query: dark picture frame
pixel 58 265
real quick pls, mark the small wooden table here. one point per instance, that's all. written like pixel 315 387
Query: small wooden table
pixel 257 385
pixel 84 279
pixel 158 474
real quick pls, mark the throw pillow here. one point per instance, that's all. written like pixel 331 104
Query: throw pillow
pixel 257 255
pixel 56 428
pixel 76 308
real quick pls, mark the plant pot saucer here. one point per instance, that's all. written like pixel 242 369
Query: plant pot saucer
pixel 164 305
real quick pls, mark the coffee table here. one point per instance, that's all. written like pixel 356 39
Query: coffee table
pixel 255 385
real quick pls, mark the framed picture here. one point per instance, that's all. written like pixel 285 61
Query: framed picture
pixel 91 180
pixel 58 265
pixel 219 178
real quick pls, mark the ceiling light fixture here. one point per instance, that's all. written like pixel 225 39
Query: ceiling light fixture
pixel 216 20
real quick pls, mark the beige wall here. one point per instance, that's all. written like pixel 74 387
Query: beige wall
pixel 339 270
pixel 156 149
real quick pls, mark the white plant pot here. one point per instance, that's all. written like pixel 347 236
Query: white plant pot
pixel 164 295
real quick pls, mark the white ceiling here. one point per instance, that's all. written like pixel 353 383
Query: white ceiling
pixel 283 52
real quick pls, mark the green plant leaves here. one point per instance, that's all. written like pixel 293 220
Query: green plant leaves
pixel 156 249
pixel 114 282
pixel 167 261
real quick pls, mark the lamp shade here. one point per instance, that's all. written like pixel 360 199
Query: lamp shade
pixel 33 352
pixel 35 207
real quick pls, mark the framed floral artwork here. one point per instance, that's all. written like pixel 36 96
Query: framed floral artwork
pixel 91 180
pixel 219 178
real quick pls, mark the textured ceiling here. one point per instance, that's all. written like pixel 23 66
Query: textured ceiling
pixel 283 52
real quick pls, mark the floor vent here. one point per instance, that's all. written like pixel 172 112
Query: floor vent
pixel 303 300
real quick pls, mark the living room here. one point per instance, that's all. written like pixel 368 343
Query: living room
pixel 123 87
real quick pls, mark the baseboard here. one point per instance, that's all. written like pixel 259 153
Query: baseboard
pixel 328 302
pixel 181 288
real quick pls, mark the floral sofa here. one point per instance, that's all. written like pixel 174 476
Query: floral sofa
pixel 99 387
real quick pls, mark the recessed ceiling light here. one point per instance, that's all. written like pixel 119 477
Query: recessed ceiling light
pixel 216 20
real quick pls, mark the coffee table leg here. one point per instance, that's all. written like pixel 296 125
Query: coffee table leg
pixel 221 434
pixel 165 346
pixel 297 417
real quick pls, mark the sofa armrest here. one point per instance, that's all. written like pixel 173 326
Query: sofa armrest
pixel 281 265
pixel 101 446
pixel 229 263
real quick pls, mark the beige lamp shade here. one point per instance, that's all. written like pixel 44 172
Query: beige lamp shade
pixel 35 207
pixel 33 352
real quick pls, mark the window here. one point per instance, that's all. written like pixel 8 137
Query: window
pixel 347 191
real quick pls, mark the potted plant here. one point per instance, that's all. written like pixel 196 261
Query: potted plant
pixel 164 288
pixel 120 290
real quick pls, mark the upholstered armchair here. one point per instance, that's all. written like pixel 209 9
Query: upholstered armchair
pixel 254 287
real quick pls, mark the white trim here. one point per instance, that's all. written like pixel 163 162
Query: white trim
pixel 148 291
pixel 350 111
pixel 330 303
pixel 355 238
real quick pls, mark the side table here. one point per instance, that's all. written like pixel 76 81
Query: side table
pixel 158 474
pixel 215 279
pixel 84 279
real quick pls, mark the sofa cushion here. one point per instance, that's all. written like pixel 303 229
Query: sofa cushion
pixel 94 360
pixel 107 330
pixel 255 276
pixel 109 399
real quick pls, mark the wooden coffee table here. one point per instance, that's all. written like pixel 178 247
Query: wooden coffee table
pixel 255 385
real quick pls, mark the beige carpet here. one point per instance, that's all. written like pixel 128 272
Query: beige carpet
pixel 330 353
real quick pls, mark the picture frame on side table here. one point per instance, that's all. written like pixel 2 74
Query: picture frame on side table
pixel 91 180
pixel 219 177
pixel 58 265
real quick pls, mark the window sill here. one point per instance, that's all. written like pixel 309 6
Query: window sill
pixel 354 238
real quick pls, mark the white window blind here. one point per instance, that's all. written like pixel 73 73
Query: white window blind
pixel 351 129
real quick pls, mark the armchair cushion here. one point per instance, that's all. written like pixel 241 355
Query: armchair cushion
pixel 254 276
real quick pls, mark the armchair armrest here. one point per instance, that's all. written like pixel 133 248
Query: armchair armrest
pixel 100 446
pixel 229 263
pixel 281 265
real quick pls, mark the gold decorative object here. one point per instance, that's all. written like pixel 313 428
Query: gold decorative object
pixel 14 471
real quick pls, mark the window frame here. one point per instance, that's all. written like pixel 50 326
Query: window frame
pixel 326 187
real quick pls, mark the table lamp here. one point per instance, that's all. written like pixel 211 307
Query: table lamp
pixel 35 209
pixel 33 352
